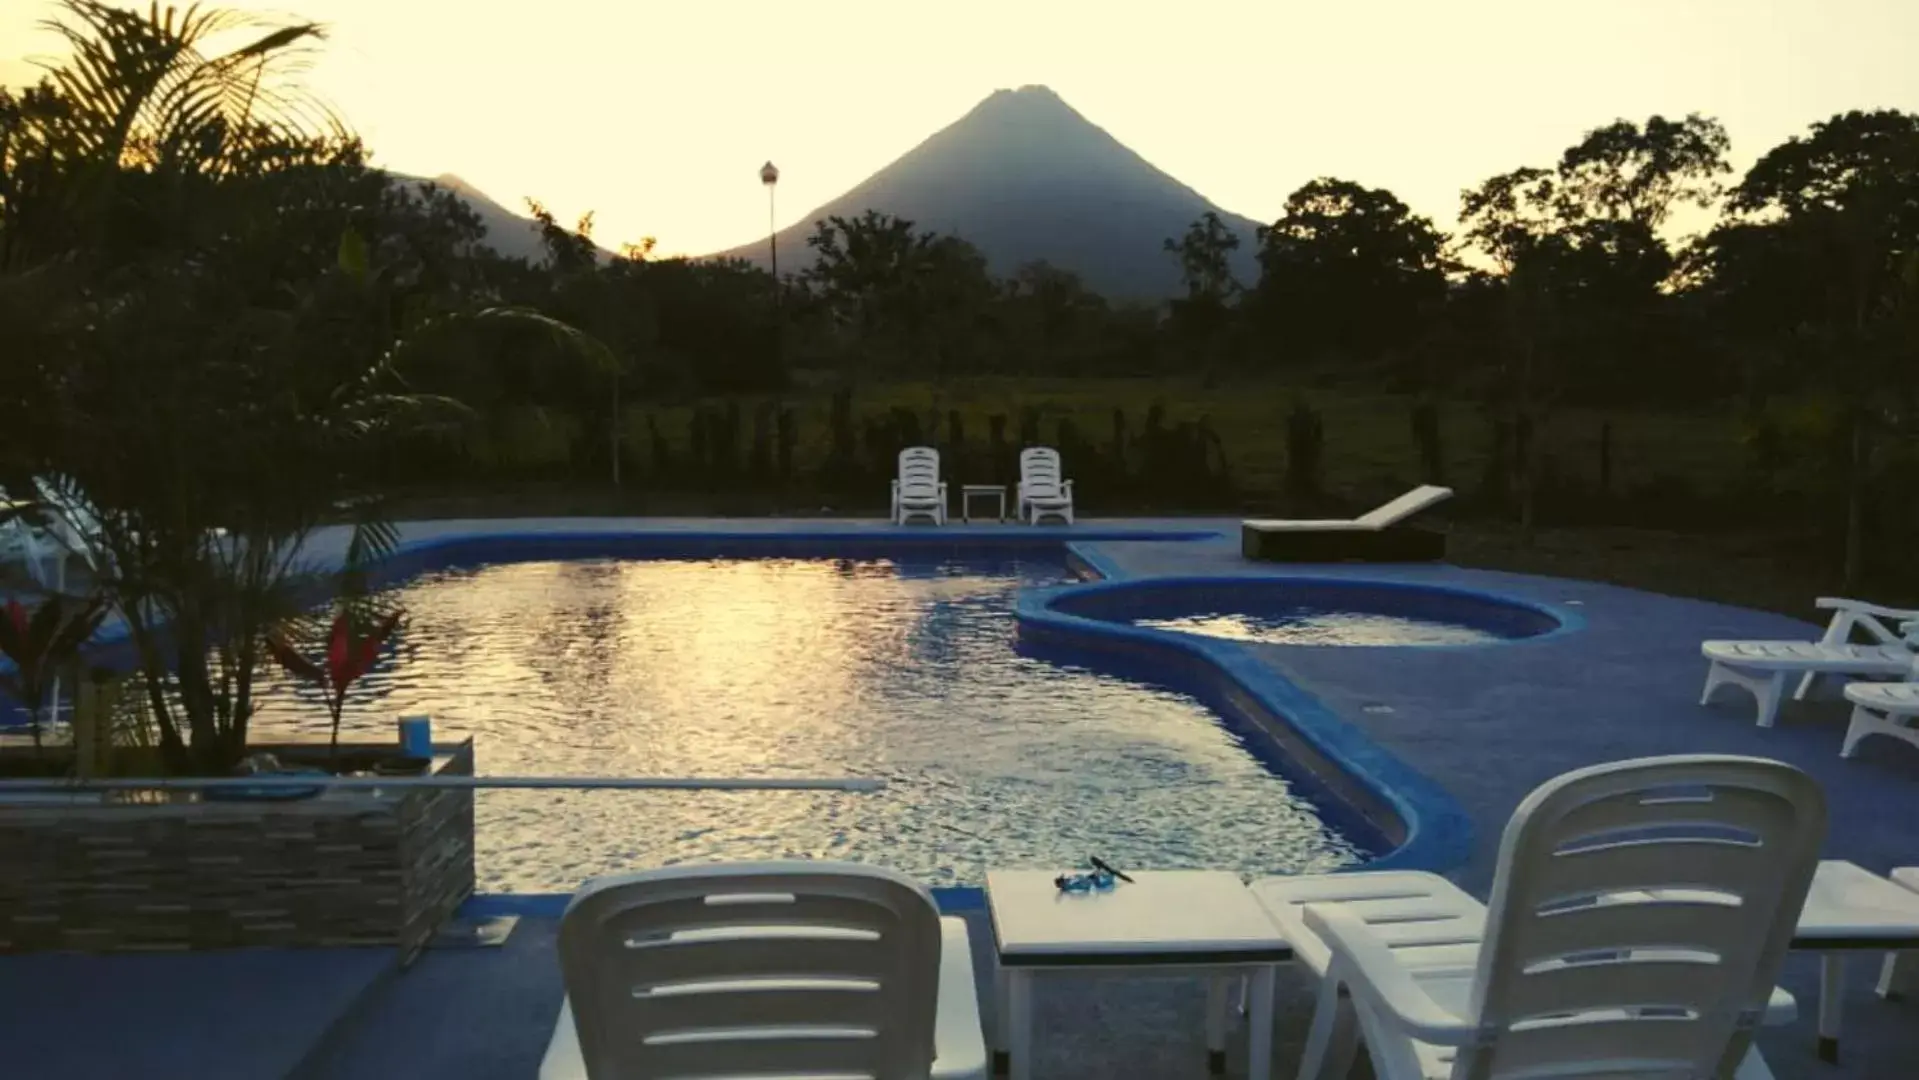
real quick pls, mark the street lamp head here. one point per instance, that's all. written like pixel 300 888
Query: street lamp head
pixel 769 175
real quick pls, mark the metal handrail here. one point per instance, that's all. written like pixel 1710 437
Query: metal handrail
pixel 855 785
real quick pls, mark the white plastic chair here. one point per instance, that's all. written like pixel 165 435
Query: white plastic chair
pixel 918 491
pixel 1639 914
pixel 742 969
pixel 1042 492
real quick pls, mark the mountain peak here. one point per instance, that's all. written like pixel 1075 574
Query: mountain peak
pixel 1023 175
pixel 1031 92
pixel 1032 104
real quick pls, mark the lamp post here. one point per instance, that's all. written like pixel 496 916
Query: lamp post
pixel 770 176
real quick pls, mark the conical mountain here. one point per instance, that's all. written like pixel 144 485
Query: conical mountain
pixel 1024 176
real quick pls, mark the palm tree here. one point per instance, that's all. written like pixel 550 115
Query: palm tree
pixel 144 111
pixel 144 90
pixel 218 304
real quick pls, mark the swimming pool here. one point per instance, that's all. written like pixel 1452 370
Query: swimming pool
pixel 902 668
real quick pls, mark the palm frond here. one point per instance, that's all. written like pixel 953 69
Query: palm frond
pixel 145 85
pixel 570 339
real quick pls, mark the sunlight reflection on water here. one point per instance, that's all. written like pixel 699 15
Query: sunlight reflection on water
pixel 1310 626
pixel 900 670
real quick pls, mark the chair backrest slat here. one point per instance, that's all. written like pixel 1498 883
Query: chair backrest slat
pixel 732 969
pixel 1639 916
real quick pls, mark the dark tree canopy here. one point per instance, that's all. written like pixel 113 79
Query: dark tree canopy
pixel 1348 269
pixel 1639 173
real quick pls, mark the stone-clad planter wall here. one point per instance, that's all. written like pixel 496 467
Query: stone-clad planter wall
pixel 343 868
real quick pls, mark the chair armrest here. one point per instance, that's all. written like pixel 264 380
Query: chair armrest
pixel 1850 614
pixel 1068 488
pixel 896 486
pixel 1840 603
pixel 959 1040
pixel 564 1059
pixel 1378 976
pixel 1860 612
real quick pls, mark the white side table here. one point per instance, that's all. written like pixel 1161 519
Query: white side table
pixel 1850 909
pixel 967 491
pixel 1166 922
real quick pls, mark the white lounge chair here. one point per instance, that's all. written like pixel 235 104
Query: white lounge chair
pixel 41 550
pixel 1574 969
pixel 741 969
pixel 1379 535
pixel 1883 708
pixel 1042 492
pixel 1373 520
pixel 1883 625
pixel 1763 668
pixel 918 491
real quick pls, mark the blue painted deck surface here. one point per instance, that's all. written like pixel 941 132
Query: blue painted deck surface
pixel 1485 724
pixel 242 1014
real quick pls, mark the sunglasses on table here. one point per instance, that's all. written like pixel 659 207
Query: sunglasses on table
pixel 1102 876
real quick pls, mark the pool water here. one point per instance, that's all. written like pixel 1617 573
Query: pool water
pixel 1306 625
pixel 904 670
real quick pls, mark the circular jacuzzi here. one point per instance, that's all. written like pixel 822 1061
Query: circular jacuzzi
pixel 1313 611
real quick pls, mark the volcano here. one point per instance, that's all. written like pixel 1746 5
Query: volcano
pixel 1024 176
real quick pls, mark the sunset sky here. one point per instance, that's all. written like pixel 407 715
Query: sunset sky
pixel 658 113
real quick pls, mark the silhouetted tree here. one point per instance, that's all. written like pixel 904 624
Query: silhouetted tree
pixel 1201 319
pixel 1348 270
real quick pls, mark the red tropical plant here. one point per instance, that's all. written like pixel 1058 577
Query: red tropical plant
pixel 347 658
pixel 41 643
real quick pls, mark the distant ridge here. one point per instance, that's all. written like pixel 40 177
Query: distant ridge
pixel 1024 176
pixel 512 235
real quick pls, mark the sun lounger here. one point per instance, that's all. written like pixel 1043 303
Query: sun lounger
pixel 1763 668
pixel 1380 535
pixel 1851 619
pixel 1883 708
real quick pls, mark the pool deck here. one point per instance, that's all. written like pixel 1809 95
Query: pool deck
pixel 1485 724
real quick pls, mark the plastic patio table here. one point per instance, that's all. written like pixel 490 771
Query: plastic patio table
pixel 1851 909
pixel 1165 922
